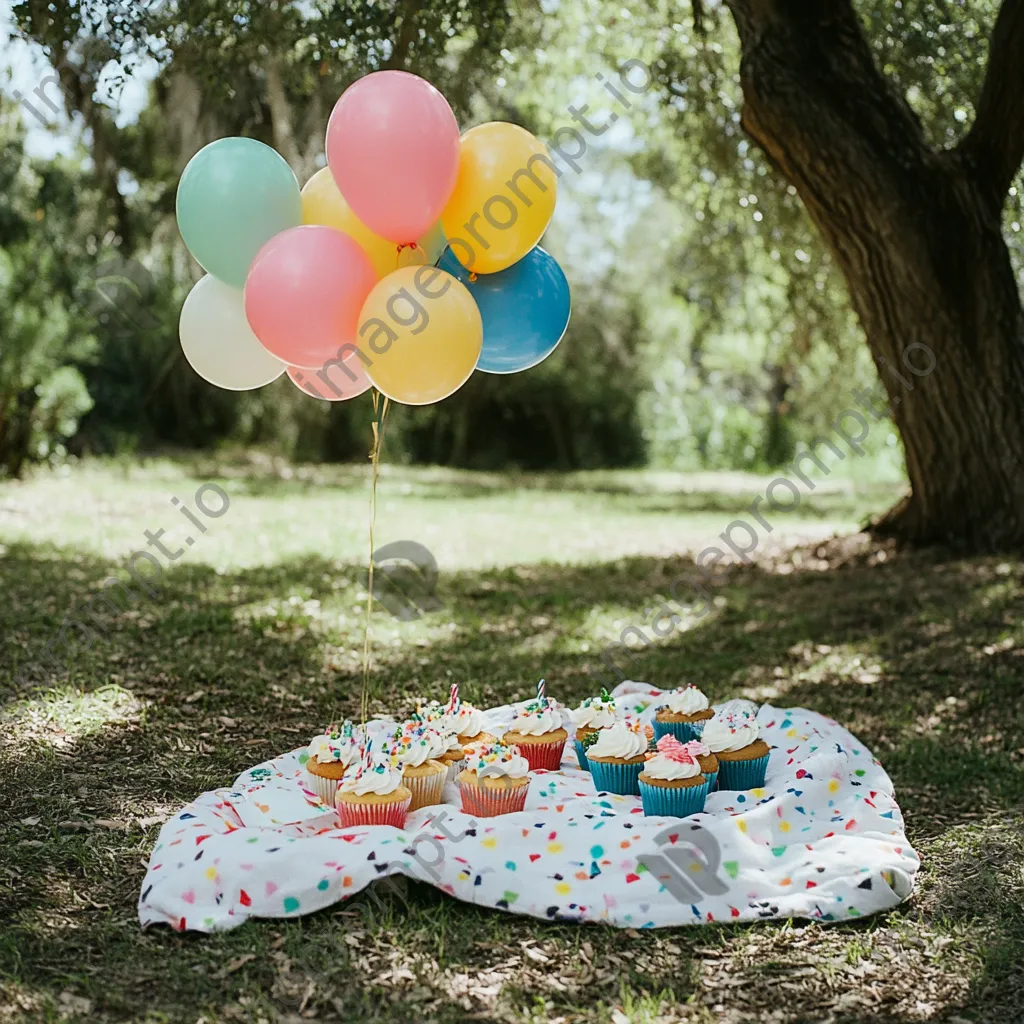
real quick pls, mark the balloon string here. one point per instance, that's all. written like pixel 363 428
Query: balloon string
pixel 380 411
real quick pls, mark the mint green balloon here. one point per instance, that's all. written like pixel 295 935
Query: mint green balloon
pixel 233 197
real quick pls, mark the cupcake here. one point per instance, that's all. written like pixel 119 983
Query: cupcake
pixel 430 713
pixel 454 756
pixel 617 758
pixel 537 732
pixel 496 780
pixel 593 714
pixel 416 749
pixel 441 717
pixel 742 755
pixel 373 794
pixel 703 755
pixel 328 757
pixel 671 783
pixel 682 715
pixel 470 726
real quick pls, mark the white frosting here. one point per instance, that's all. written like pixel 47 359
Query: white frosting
pixel 598 714
pixel 516 767
pixel 422 746
pixel 687 702
pixel 662 767
pixel 437 742
pixel 619 741
pixel 338 751
pixel 380 779
pixel 437 717
pixel 469 721
pixel 471 750
pixel 537 723
pixel 722 734
pixel 415 756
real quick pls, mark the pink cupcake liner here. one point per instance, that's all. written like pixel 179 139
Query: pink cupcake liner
pixel 543 755
pixel 374 814
pixel 426 789
pixel 489 803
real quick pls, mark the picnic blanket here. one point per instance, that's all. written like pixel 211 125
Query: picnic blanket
pixel 823 839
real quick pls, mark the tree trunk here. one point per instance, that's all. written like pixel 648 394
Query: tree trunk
pixel 917 234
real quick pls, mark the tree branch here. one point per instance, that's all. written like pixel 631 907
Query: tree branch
pixel 813 93
pixel 994 147
pixel 699 14
pixel 406 34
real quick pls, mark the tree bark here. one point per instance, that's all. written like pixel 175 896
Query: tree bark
pixel 281 114
pixel 918 237
pixel 78 83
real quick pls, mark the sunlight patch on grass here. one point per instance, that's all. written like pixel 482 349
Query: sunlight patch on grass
pixel 30 1001
pixel 607 624
pixel 63 715
pixel 827 665
pixel 838 664
pixel 106 507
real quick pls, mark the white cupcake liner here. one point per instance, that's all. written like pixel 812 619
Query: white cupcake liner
pixel 426 789
pixel 326 789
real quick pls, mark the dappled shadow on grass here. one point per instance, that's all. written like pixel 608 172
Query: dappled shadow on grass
pixel 911 654
pixel 980 888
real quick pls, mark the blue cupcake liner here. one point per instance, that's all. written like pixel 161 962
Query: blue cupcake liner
pixel 683 731
pixel 740 775
pixel 712 778
pixel 581 756
pixel 666 802
pixel 622 779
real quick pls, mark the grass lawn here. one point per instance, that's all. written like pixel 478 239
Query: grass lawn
pixel 253 641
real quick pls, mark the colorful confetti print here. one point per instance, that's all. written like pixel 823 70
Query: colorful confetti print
pixel 823 839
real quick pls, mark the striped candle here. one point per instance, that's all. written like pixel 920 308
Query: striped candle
pixel 540 690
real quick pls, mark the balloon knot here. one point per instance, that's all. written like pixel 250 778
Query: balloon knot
pixel 472 277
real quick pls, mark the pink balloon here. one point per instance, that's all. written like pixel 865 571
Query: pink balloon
pixel 304 293
pixel 332 383
pixel 393 148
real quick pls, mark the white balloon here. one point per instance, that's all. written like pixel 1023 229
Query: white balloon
pixel 218 341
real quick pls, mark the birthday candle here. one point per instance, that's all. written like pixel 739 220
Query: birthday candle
pixel 540 690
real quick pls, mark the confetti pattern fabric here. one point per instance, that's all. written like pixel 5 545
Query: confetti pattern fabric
pixel 823 839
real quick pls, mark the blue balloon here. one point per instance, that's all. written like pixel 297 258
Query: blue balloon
pixel 525 310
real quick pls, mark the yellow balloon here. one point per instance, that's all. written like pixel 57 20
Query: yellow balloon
pixel 323 203
pixel 420 335
pixel 504 197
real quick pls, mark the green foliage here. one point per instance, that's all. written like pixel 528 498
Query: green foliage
pixel 710 327
pixel 43 336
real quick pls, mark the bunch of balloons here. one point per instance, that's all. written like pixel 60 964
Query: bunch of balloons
pixel 406 263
